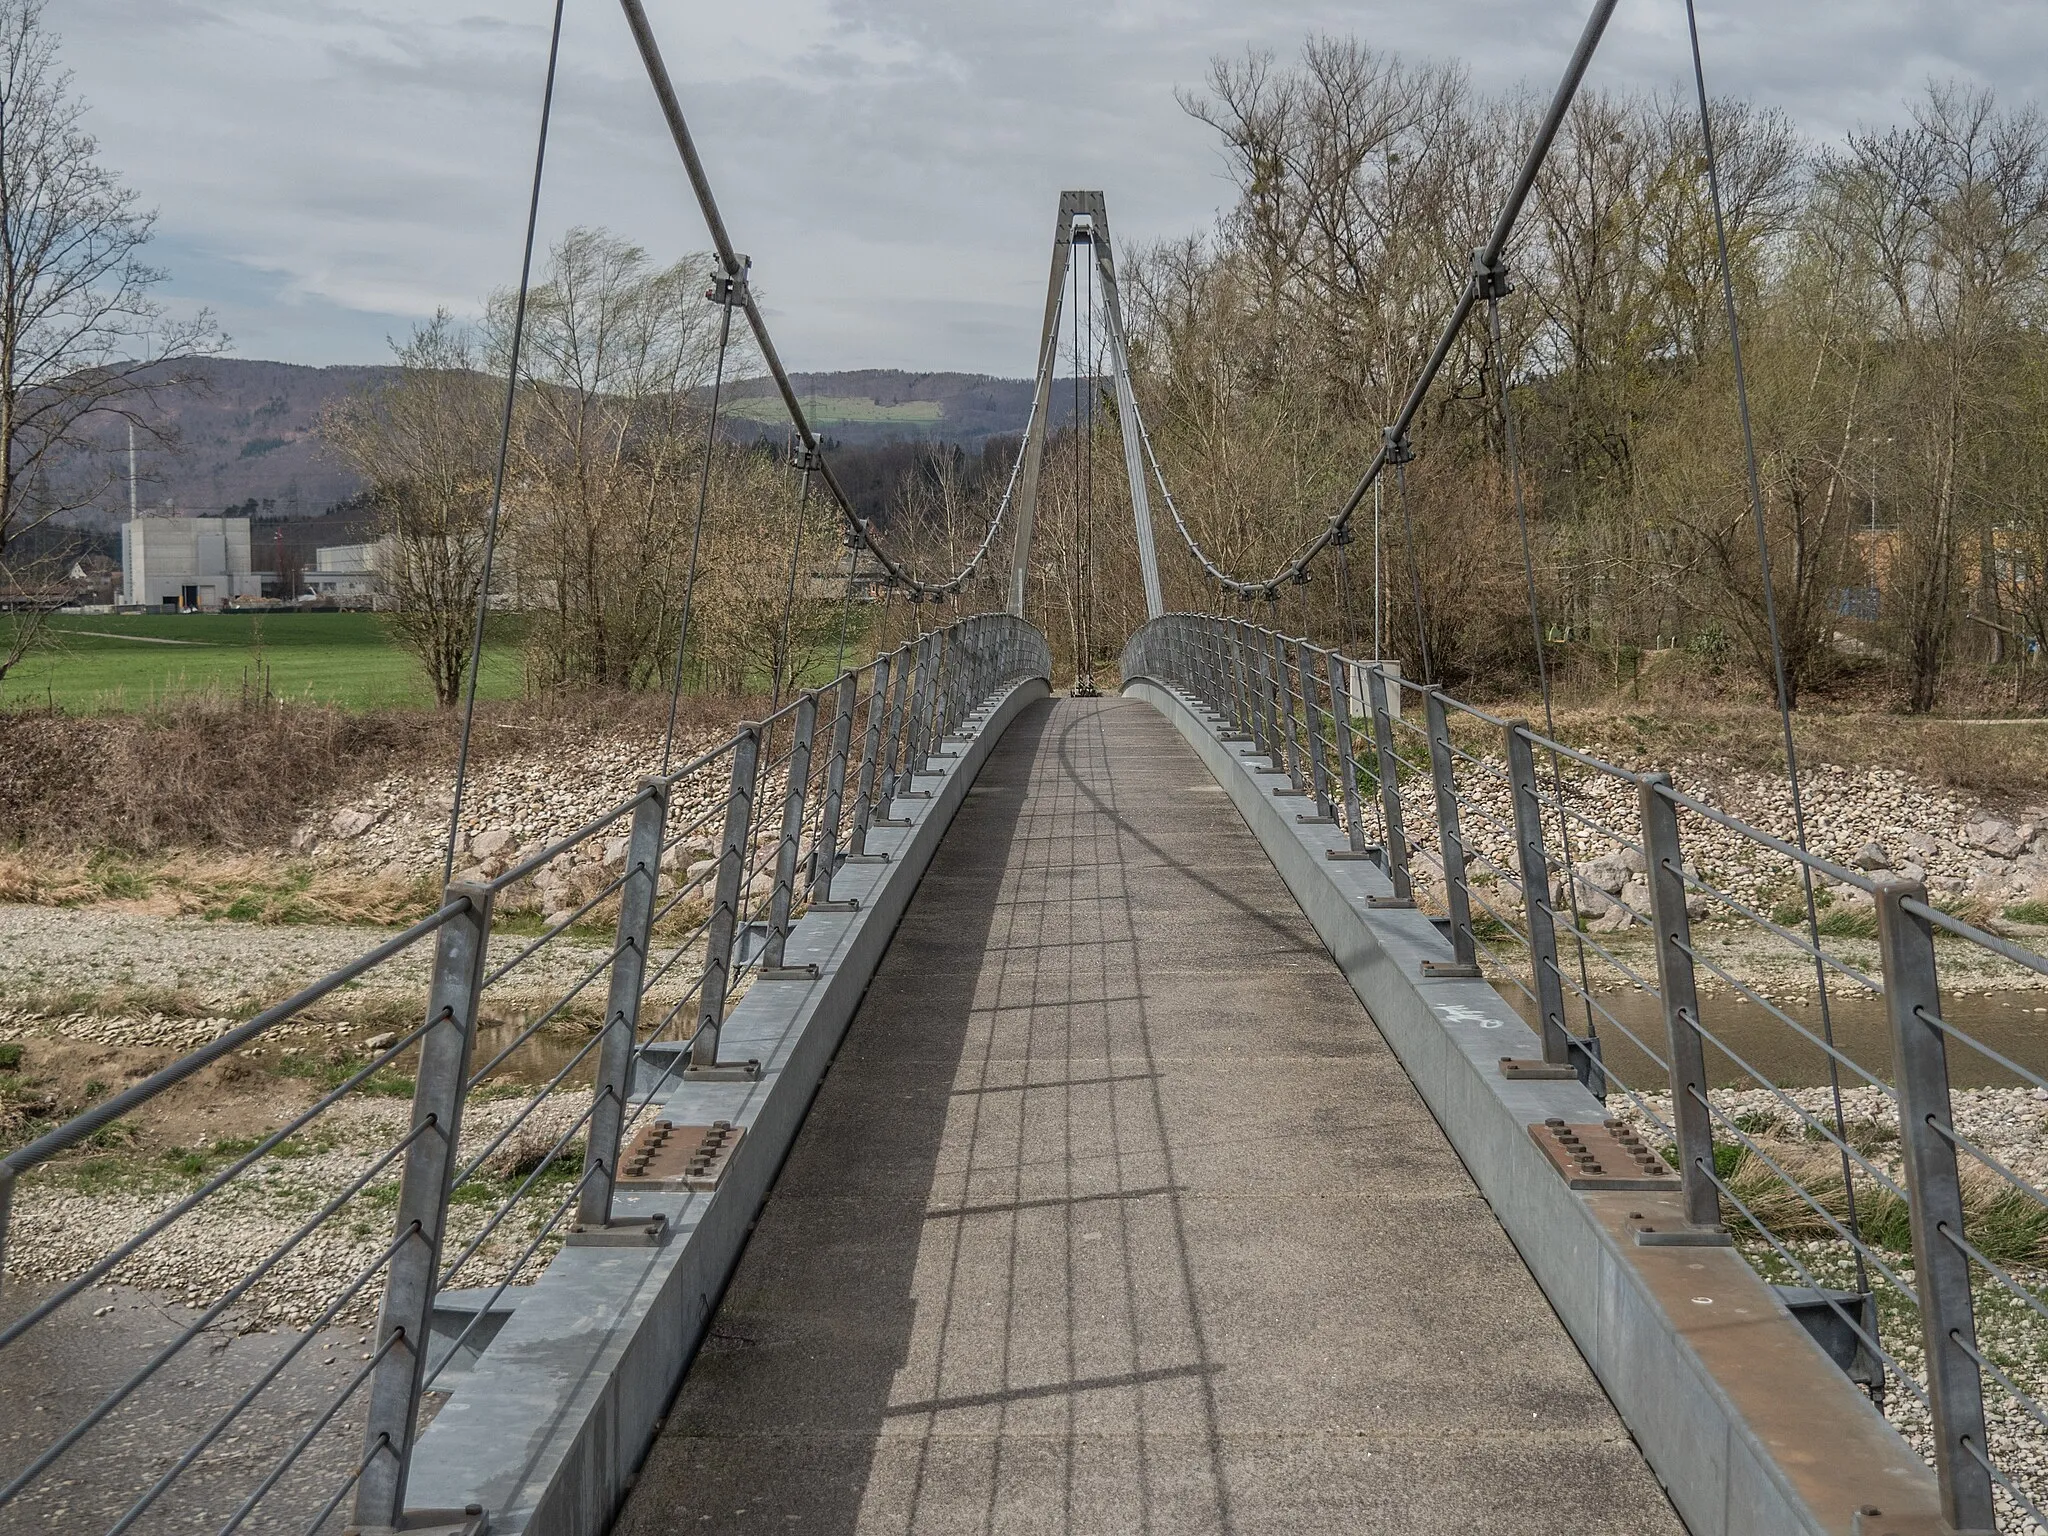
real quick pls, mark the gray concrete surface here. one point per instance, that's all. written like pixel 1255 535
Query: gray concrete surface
pixel 1116 1214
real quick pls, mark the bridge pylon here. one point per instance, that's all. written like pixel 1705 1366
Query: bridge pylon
pixel 1084 220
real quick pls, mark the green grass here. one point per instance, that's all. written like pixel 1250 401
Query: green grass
pixel 113 662
pixel 2035 912
pixel 833 410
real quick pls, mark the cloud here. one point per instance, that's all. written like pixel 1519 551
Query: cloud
pixel 327 172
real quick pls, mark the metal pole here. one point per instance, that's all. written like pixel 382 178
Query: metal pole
pixel 825 851
pixel 797 786
pixel 1941 1269
pixel 1451 839
pixel 1535 865
pixel 725 906
pixel 1347 766
pixel 1691 1119
pixel 622 1007
pixel 1396 850
pixel 870 764
pixel 405 1315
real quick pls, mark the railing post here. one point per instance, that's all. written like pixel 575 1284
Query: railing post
pixel 870 762
pixel 1692 1121
pixel 1259 665
pixel 918 720
pixel 1347 765
pixel 622 1006
pixel 898 709
pixel 1941 1269
pixel 405 1314
pixel 1450 839
pixel 1318 769
pixel 1242 709
pixel 703 1062
pixel 825 850
pixel 1396 850
pixel 1283 692
pixel 796 790
pixel 1535 866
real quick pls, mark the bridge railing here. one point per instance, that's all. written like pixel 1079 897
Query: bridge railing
pixel 1796 1072
pixel 458 1155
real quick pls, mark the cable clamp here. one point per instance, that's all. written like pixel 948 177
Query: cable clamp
pixel 1397 447
pixel 730 288
pixel 804 457
pixel 1300 576
pixel 1491 282
pixel 1341 535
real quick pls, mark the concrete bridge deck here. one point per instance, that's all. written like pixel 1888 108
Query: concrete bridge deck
pixel 1116 1214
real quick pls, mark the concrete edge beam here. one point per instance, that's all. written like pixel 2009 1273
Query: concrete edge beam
pixel 548 1428
pixel 1748 1425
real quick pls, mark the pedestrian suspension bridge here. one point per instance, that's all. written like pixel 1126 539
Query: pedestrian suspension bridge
pixel 1205 1105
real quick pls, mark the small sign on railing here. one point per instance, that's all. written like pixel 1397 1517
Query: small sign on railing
pixel 1361 704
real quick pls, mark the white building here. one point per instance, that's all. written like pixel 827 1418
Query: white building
pixel 184 563
pixel 348 573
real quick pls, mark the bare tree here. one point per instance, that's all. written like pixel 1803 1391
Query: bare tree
pixel 425 442
pixel 607 453
pixel 81 336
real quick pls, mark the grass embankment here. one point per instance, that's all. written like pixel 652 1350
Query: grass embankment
pixel 92 663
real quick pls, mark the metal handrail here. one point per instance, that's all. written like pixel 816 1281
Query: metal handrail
pixel 1228 667
pixel 960 669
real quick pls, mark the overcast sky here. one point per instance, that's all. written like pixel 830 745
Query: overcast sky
pixel 328 171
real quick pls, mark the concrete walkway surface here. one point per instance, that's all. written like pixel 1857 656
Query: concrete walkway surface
pixel 1115 1214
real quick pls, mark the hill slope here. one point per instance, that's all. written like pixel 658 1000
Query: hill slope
pixel 246 440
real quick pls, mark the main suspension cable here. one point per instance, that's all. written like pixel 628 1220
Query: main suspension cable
pixel 483 593
pixel 732 266
pixel 1763 552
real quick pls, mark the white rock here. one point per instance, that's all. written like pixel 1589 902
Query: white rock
pixel 352 823
pixel 2001 839
pixel 493 841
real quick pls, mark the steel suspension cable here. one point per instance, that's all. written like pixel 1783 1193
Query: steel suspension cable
pixel 483 594
pixel 721 288
pixel 1770 601
pixel 1088 471
pixel 803 501
pixel 1511 444
pixel 1414 569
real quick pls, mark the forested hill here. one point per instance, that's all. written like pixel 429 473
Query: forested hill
pixel 244 431
pixel 249 431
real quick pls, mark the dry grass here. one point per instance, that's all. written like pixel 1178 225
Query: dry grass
pixel 218 773
pixel 2002 1221
pixel 250 888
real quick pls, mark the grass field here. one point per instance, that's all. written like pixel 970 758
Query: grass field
pixel 834 410
pixel 101 662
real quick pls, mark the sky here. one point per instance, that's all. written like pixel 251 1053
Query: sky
pixel 328 172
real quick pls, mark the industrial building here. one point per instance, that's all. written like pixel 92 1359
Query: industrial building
pixel 181 564
pixel 349 574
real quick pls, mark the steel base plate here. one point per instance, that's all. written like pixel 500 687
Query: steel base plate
pixel 1606 1156
pixel 1519 1069
pixel 665 1156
